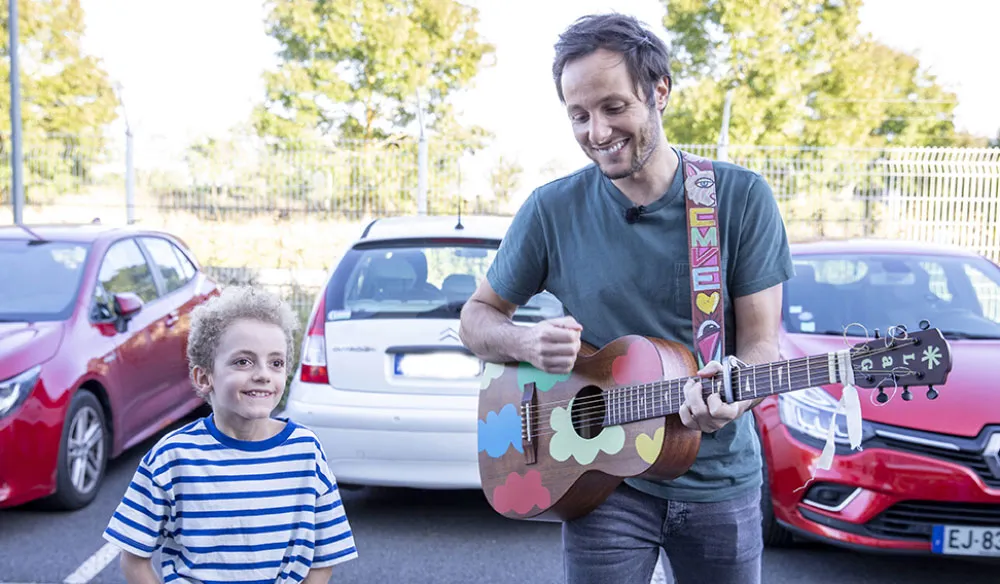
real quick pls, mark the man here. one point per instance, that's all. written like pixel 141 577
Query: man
pixel 621 272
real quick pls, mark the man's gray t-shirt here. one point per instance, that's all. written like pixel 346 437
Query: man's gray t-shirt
pixel 570 237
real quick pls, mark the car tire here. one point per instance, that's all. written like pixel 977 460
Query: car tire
pixel 775 535
pixel 84 414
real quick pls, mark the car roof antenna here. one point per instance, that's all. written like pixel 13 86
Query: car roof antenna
pixel 459 224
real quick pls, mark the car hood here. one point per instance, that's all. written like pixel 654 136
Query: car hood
pixel 24 345
pixel 969 400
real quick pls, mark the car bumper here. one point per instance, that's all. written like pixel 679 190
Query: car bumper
pixel 29 447
pixel 393 440
pixel 891 500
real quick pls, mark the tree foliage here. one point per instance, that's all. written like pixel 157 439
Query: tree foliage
pixel 62 90
pixel 800 73
pixel 352 69
pixel 66 97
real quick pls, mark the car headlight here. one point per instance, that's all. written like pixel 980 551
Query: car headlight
pixel 15 390
pixel 811 411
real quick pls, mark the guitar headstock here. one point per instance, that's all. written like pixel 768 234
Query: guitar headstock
pixel 902 359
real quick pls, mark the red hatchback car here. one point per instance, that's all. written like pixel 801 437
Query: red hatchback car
pixel 93 336
pixel 927 479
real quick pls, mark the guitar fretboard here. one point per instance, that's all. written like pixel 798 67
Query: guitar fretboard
pixel 661 398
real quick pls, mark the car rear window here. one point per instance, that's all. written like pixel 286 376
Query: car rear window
pixel 40 279
pixel 425 279
pixel 829 293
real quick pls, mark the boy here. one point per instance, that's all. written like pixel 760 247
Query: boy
pixel 237 496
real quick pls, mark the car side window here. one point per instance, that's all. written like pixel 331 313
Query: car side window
pixel 166 260
pixel 187 267
pixel 124 269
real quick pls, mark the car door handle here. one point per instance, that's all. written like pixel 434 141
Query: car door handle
pixel 172 319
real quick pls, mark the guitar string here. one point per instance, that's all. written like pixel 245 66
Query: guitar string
pixel 596 414
pixel 655 389
pixel 595 421
pixel 793 366
pixel 676 388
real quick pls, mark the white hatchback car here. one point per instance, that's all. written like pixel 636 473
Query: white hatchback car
pixel 384 380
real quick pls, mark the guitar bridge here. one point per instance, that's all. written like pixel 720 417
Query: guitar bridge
pixel 528 444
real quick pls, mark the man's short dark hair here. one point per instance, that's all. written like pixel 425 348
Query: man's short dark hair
pixel 646 55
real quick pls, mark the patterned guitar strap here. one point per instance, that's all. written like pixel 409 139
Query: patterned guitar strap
pixel 707 311
pixel 707 320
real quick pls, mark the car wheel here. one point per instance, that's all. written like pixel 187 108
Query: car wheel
pixel 774 534
pixel 83 454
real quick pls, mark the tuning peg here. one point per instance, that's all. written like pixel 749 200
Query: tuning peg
pixel 876 334
pixel 882 397
pixel 925 324
pixel 931 392
pixel 907 396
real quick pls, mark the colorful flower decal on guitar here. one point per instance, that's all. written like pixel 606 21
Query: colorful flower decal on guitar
pixel 527 373
pixel 490 372
pixel 640 364
pixel 521 494
pixel 567 443
pixel 500 431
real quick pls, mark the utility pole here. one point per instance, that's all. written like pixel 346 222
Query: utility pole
pixel 421 161
pixel 129 164
pixel 16 158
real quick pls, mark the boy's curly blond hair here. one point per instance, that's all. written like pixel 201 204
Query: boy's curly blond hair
pixel 211 319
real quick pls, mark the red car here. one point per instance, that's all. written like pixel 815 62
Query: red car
pixel 93 335
pixel 927 479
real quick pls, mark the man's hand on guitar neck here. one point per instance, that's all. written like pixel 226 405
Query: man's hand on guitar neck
pixel 712 414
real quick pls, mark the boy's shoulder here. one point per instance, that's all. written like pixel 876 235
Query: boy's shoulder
pixel 303 436
pixel 193 434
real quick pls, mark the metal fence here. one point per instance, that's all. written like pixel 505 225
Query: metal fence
pixel 283 214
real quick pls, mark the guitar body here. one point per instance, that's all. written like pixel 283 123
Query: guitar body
pixel 573 463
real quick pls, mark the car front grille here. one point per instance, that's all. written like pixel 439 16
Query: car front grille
pixel 970 454
pixel 915 520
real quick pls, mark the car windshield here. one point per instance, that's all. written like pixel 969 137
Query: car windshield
pixel 829 293
pixel 40 279
pixel 429 280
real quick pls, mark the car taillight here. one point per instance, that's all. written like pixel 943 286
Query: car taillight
pixel 314 346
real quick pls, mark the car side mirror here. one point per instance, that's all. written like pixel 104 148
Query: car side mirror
pixel 127 305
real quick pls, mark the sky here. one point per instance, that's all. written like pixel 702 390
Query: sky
pixel 191 68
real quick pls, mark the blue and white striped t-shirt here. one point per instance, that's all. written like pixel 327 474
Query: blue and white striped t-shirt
pixel 226 510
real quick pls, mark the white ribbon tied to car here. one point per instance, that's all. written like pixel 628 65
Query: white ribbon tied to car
pixel 849 405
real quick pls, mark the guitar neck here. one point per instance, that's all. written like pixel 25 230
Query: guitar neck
pixel 661 398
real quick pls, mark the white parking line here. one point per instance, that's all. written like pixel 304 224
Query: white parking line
pixel 93 566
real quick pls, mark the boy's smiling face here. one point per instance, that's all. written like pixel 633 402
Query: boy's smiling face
pixel 247 377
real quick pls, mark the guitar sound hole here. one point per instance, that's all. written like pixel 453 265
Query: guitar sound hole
pixel 588 412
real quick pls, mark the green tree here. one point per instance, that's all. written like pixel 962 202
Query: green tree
pixel 66 97
pixel 800 73
pixel 352 69
pixel 505 178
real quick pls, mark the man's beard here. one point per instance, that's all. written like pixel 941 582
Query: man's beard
pixel 645 145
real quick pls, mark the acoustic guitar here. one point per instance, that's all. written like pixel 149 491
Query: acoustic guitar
pixel 554 446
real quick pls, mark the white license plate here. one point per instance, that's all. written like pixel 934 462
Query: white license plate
pixel 441 365
pixel 966 541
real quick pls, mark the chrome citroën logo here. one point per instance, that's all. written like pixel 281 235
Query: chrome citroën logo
pixel 449 333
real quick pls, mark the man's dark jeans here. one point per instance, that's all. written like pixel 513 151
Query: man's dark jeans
pixel 620 541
